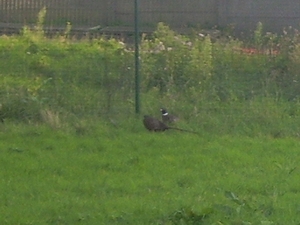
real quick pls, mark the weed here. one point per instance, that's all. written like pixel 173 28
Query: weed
pixel 51 118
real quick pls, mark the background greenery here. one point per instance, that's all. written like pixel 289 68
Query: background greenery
pixel 221 84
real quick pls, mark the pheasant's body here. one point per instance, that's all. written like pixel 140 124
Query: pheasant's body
pixel 153 124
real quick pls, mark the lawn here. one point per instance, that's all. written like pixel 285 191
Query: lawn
pixel 115 176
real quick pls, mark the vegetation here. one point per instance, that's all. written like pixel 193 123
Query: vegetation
pixel 73 152
pixel 116 176
pixel 222 84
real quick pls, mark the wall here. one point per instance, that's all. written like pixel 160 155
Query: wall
pixel 172 12
pixel 244 14
pixel 274 14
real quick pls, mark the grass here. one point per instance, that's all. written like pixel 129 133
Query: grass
pixel 72 152
pixel 112 176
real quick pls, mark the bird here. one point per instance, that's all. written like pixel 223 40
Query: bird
pixel 153 124
pixel 168 118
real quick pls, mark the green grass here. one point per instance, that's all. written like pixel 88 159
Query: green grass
pixel 72 151
pixel 119 176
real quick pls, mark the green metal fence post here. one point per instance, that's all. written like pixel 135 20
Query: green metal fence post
pixel 137 60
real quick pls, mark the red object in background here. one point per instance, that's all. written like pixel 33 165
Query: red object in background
pixel 252 51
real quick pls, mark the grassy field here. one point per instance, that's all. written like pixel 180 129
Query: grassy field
pixel 115 176
pixel 73 151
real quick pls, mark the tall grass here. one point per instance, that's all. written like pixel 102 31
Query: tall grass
pixel 216 84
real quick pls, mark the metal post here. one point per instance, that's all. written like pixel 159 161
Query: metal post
pixel 137 60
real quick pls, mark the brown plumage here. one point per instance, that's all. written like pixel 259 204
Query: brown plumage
pixel 153 124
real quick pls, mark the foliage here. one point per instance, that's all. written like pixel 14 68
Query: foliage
pixel 220 85
pixel 171 61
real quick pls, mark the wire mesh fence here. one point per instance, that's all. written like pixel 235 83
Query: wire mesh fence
pixel 79 13
pixel 178 14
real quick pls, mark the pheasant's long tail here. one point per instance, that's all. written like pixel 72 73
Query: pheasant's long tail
pixel 189 131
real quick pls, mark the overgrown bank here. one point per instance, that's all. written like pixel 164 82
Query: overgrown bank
pixel 218 84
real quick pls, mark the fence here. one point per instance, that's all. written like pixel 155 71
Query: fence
pixel 59 12
pixel 275 14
